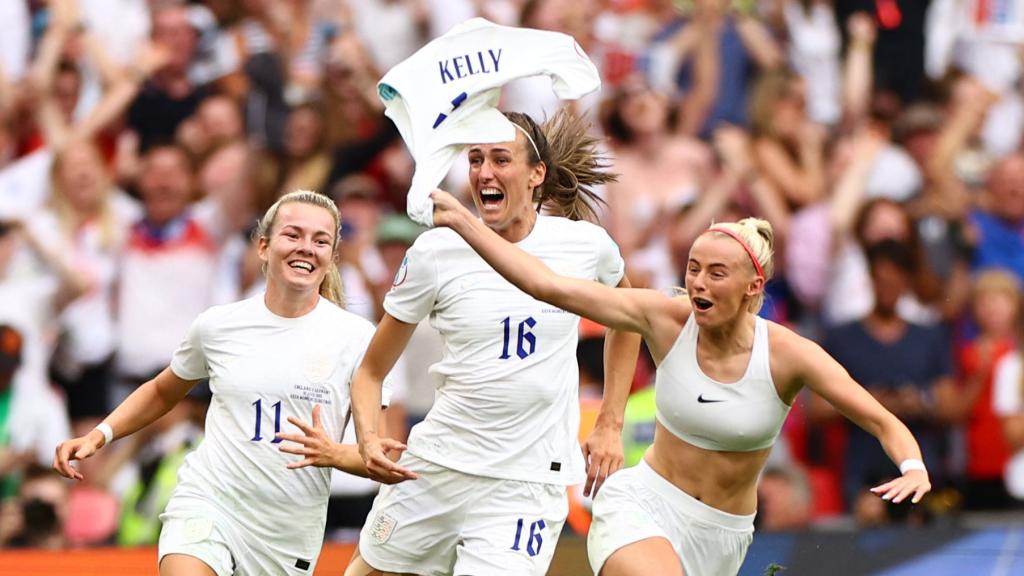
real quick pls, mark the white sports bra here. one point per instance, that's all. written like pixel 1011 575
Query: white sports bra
pixel 739 417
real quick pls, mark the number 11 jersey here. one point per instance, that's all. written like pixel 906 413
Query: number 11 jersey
pixel 262 369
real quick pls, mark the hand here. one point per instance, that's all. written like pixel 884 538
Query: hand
pixel 379 467
pixel 76 449
pixel 913 482
pixel 447 209
pixel 603 455
pixel 862 29
pixel 812 134
pixel 733 146
pixel 151 57
pixel 316 446
pixel 64 14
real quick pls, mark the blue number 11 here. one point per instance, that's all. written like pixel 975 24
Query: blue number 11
pixel 259 416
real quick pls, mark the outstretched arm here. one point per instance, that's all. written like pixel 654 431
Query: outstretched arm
pixel 620 309
pixel 826 377
pixel 387 345
pixel 143 407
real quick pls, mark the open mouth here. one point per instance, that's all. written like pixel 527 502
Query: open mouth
pixel 491 197
pixel 301 265
pixel 701 304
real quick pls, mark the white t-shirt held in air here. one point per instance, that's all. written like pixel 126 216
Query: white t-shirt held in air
pixel 507 401
pixel 262 369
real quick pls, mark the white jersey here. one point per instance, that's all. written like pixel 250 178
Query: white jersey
pixel 262 369
pixel 446 94
pixel 507 404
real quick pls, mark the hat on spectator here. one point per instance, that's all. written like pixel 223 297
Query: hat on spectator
pixel 10 348
pixel 355 186
pixel 399 229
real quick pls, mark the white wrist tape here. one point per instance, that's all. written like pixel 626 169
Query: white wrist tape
pixel 912 464
pixel 108 432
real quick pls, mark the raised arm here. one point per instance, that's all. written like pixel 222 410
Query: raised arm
pixel 796 357
pixel 858 70
pixel 143 407
pixel 620 309
pixel 388 342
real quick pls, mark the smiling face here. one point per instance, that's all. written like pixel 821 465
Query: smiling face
pixel 720 279
pixel 502 181
pixel 80 177
pixel 300 248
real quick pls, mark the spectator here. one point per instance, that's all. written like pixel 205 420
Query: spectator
pixel 998 221
pixel 814 43
pixel 87 222
pixel 169 97
pixel 168 267
pixel 900 363
pixel 995 307
pixel 733 43
pixel 788 146
pixel 362 270
pixel 1008 404
pixel 35 519
pixel 784 499
pixel 660 173
pixel 850 295
pixel 899 52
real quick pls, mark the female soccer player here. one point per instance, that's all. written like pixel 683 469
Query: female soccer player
pixel 497 450
pixel 292 350
pixel 725 382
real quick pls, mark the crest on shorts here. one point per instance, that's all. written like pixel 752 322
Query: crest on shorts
pixel 383 526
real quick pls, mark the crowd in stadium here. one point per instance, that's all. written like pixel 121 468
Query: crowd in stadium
pixel 882 139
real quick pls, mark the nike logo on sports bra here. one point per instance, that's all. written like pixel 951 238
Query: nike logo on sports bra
pixel 704 400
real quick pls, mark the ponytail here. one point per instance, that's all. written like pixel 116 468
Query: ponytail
pixel 574 165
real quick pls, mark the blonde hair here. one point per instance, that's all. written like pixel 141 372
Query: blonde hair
pixel 760 238
pixel 67 219
pixel 770 88
pixel 331 287
pixel 995 280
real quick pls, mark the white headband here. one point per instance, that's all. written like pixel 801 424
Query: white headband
pixel 532 143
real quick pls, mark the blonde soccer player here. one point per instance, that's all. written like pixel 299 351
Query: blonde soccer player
pixel 237 508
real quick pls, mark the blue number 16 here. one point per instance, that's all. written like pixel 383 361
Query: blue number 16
pixel 534 542
pixel 524 336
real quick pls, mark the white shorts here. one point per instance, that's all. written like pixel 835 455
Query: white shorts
pixel 637 503
pixel 194 527
pixel 448 522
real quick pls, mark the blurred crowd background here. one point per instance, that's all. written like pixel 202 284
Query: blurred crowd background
pixel 139 139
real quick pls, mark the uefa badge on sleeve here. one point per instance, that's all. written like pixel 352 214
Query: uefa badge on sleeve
pixel 403 271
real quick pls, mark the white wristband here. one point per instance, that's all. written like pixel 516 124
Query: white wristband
pixel 108 432
pixel 912 464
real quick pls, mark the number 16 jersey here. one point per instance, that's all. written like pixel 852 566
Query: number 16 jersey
pixel 507 401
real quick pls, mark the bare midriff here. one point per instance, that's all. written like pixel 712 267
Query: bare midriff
pixel 726 481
